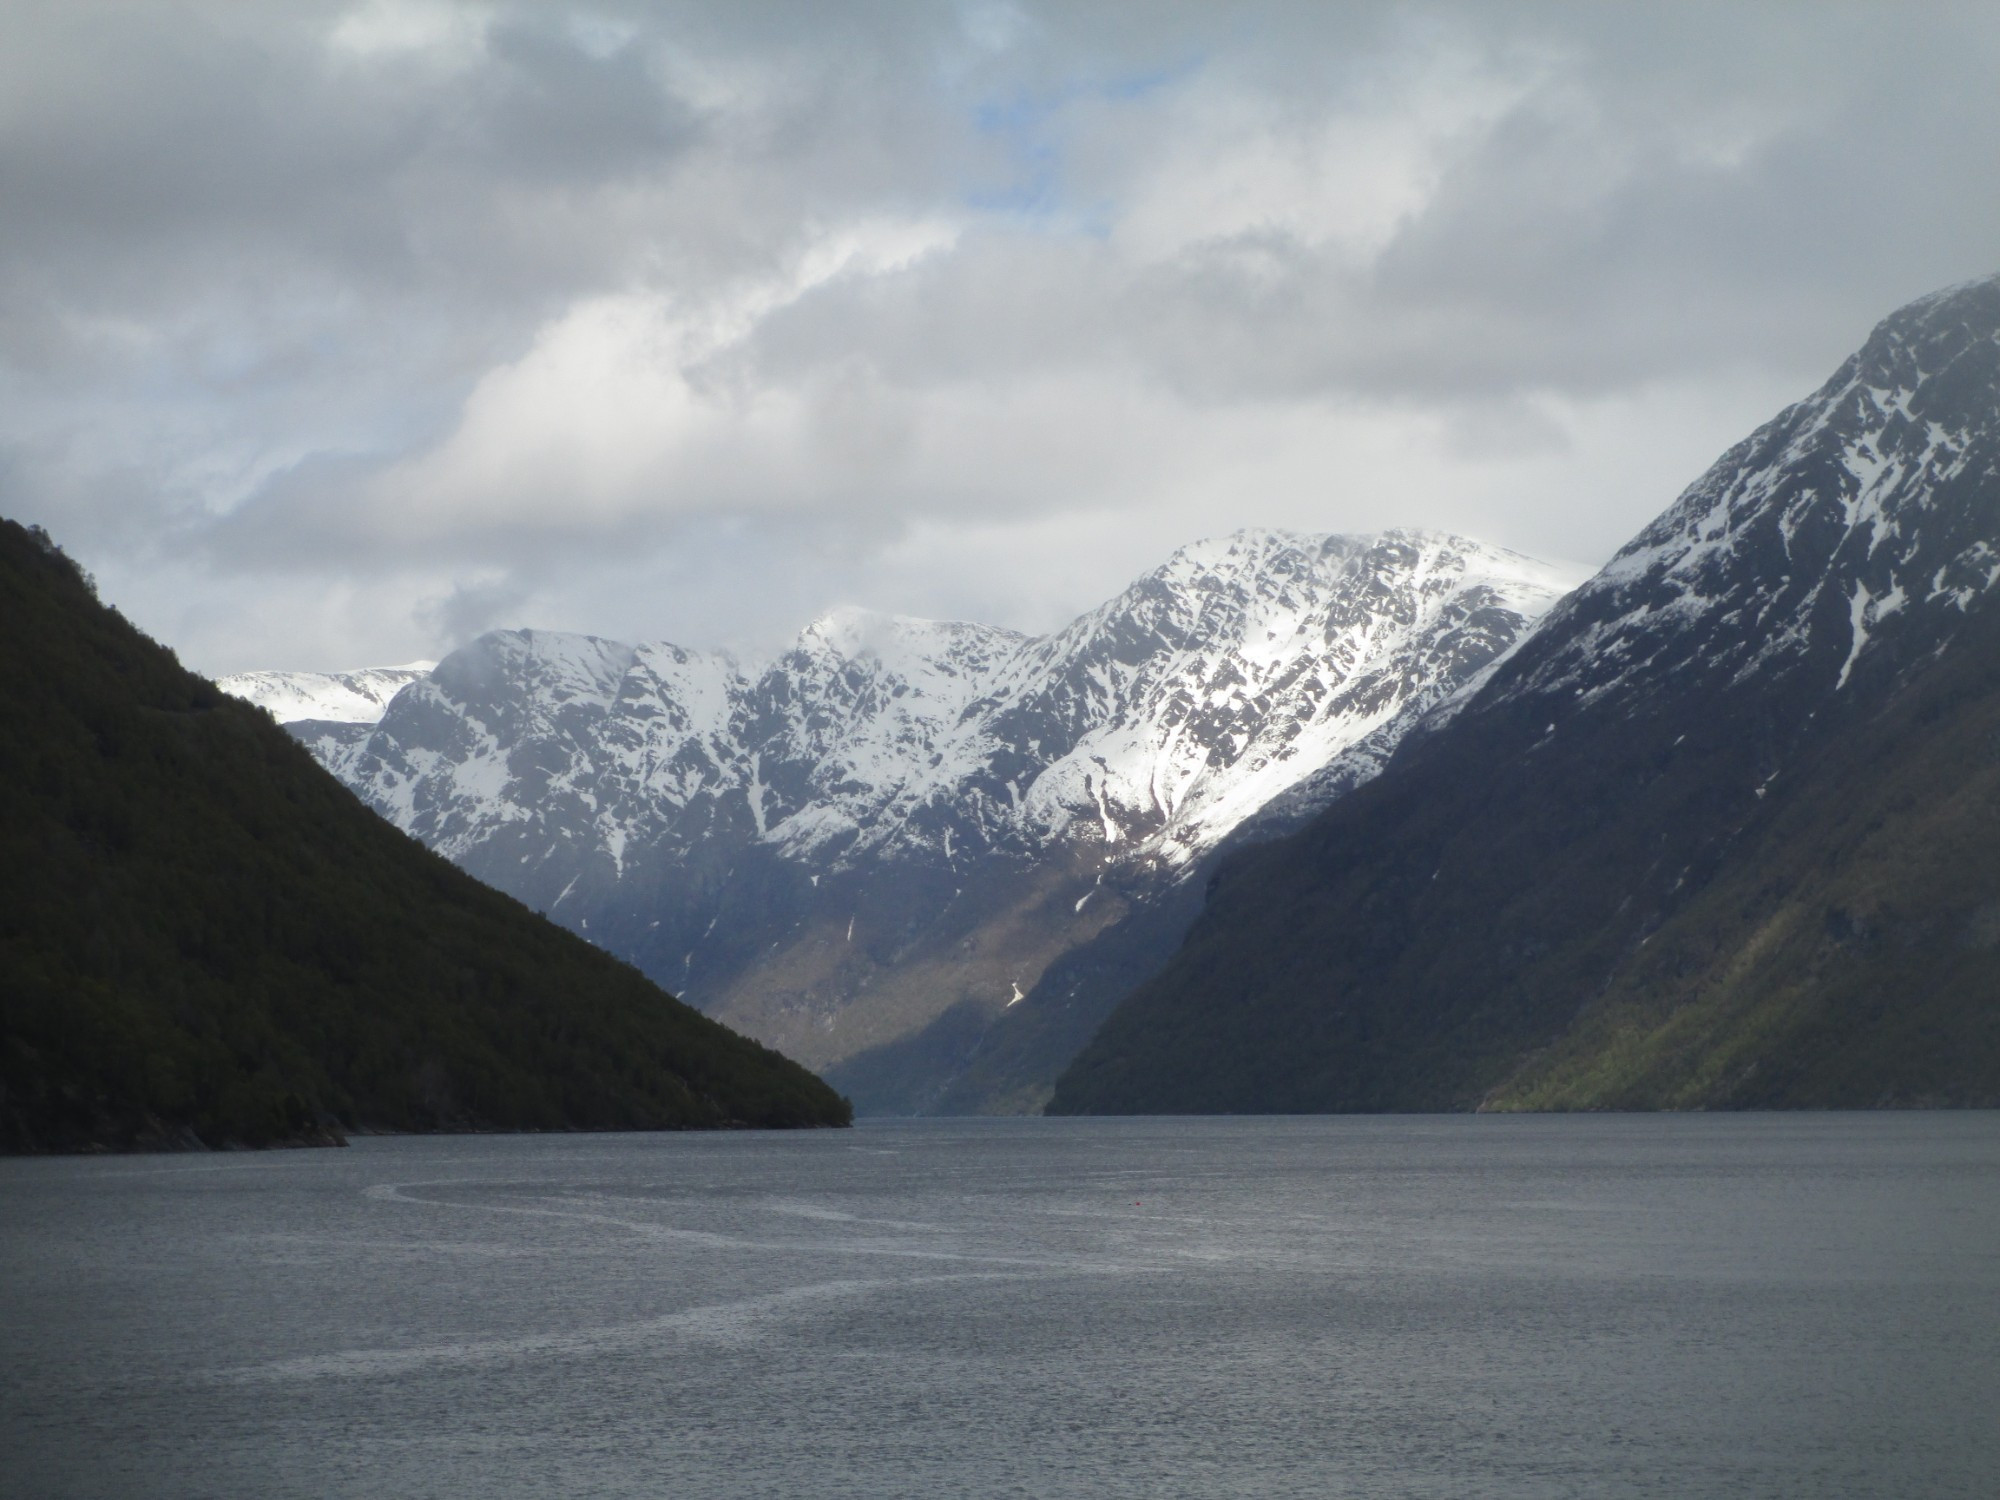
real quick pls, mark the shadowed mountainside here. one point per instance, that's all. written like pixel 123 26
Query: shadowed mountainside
pixel 206 940
pixel 1724 832
pixel 870 852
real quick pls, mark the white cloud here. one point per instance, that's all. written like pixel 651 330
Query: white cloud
pixel 361 324
pixel 621 408
pixel 1342 174
pixel 441 32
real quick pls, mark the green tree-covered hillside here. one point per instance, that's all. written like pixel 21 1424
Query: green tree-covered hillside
pixel 205 939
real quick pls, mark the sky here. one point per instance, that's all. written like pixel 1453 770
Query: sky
pixel 332 334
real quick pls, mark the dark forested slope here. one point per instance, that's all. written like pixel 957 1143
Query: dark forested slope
pixel 205 939
pixel 1724 832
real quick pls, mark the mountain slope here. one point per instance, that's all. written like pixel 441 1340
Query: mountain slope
pixel 869 851
pixel 204 938
pixel 1710 836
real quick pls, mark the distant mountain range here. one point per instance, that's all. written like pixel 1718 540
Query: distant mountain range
pixel 1723 831
pixel 328 697
pixel 205 940
pixel 1720 829
pixel 925 858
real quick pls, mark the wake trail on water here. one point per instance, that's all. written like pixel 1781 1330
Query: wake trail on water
pixel 723 1322
pixel 652 1229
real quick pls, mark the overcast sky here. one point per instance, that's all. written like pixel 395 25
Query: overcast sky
pixel 332 334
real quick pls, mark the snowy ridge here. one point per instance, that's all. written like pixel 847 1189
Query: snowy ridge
pixel 901 827
pixel 334 697
pixel 1150 727
pixel 1795 549
pixel 900 823
pixel 1265 656
pixel 1709 836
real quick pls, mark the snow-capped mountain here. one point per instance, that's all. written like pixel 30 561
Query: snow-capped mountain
pixel 945 798
pixel 1654 855
pixel 1242 666
pixel 336 697
pixel 1863 512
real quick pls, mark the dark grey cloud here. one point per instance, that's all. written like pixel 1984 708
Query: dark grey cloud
pixel 331 331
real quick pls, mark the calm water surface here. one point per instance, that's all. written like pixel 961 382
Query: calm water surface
pixel 1587 1306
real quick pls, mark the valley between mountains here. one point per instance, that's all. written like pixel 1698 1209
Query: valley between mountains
pixel 924 858
pixel 1723 832
pixel 1319 823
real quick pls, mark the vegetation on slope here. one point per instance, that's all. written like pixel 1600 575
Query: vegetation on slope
pixel 1848 957
pixel 205 939
pixel 1629 912
pixel 1720 834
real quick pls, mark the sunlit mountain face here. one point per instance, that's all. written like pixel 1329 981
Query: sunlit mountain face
pixel 868 851
pixel 1719 832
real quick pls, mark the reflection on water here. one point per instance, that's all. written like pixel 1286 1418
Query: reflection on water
pixel 1593 1306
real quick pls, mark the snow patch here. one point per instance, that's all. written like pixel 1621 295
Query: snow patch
pixel 1158 722
pixel 357 697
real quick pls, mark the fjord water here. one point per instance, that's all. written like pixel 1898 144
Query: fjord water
pixel 1595 1306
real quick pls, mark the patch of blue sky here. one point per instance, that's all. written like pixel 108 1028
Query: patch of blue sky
pixel 1030 126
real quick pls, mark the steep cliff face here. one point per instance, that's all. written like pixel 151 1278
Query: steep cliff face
pixel 869 851
pixel 1631 865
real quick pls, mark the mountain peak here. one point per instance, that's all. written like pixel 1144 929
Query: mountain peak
pixel 719 827
pixel 848 629
pixel 1720 831
pixel 1856 516
pixel 1941 352
pixel 1973 304
pixel 562 666
pixel 851 632
pixel 1246 547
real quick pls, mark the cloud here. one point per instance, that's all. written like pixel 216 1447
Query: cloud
pixel 472 608
pixel 331 331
